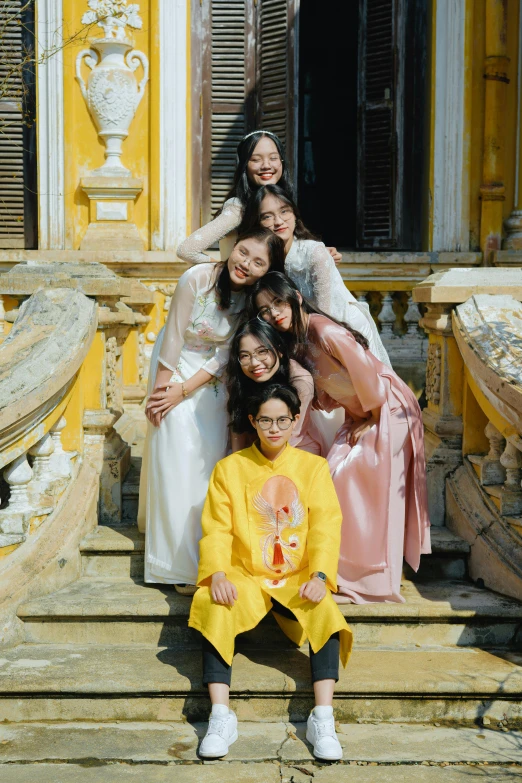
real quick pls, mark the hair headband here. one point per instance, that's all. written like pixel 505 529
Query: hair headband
pixel 266 132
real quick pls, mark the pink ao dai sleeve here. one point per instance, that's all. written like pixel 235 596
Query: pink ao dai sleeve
pixel 361 365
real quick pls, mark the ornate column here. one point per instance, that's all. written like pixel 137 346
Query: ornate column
pixel 513 225
pixel 495 74
pixel 443 415
pixel 112 97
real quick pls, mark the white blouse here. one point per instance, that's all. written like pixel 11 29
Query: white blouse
pixel 197 324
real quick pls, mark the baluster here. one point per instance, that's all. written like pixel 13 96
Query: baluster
pixel 18 475
pixel 15 518
pixel 41 452
pixel 411 318
pixel 511 494
pixel 43 483
pixel 387 317
pixel 361 296
pixel 493 471
pixel 60 460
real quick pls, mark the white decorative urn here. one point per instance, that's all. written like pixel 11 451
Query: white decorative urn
pixel 112 93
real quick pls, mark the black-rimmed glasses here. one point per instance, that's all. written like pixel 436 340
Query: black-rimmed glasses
pixel 283 422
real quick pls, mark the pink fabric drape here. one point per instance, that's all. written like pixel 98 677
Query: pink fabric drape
pixel 382 490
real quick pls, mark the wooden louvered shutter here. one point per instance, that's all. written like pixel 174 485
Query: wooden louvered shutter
pixel 276 71
pixel 11 127
pixel 243 67
pixel 228 96
pixel 377 211
pixel 18 174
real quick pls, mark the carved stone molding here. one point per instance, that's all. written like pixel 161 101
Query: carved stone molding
pixel 433 373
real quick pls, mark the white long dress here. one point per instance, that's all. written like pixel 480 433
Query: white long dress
pixel 181 453
pixel 312 268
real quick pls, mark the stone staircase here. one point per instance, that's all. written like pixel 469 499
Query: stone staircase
pixel 115 659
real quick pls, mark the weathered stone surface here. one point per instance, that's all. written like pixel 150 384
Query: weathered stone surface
pixel 474 516
pixel 109 539
pixel 488 330
pixel 38 362
pixel 173 742
pixel 50 555
pixel 406 774
pixel 104 610
pixel 458 285
pixel 93 279
pixel 151 683
pixel 210 772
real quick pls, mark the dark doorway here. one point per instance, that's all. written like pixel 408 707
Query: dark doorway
pixel 327 181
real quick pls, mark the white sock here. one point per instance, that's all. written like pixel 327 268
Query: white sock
pixel 323 713
pixel 219 710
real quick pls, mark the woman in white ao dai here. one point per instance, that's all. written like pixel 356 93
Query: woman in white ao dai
pixel 188 429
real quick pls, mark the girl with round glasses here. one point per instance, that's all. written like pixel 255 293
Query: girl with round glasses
pixel 186 409
pixel 377 459
pixel 259 355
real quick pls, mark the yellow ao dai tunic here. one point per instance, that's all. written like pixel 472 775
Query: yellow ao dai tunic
pixel 252 505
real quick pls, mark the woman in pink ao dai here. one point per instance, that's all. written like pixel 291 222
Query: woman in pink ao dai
pixel 377 460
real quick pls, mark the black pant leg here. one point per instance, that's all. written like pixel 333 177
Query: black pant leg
pixel 325 662
pixel 215 669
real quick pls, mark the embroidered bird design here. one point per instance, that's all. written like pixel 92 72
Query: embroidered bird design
pixel 280 509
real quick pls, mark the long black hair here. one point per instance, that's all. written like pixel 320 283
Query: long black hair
pixel 239 386
pixel 282 287
pixel 242 188
pixel 252 211
pixel 276 257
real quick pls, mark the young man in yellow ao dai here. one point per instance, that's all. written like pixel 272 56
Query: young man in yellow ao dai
pixel 271 537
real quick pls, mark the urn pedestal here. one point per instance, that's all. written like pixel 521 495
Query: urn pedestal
pixel 111 206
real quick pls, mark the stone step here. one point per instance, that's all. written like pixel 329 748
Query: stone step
pixel 177 743
pixel 118 552
pixel 105 611
pixel 145 683
pixel 272 772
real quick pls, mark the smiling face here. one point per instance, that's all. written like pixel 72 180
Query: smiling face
pixel 278 217
pixel 265 166
pixel 274 311
pixel 275 435
pixel 257 361
pixel 248 262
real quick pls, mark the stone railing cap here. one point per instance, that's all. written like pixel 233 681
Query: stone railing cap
pixel 455 286
pixel 91 279
pixel 39 359
pixel 488 330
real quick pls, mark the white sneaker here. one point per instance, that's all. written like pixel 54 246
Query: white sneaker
pixel 320 733
pixel 221 733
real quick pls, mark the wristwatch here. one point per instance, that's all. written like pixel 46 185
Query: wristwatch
pixel 320 575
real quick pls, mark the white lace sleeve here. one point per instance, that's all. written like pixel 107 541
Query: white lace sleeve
pixel 180 313
pixel 191 249
pixel 325 275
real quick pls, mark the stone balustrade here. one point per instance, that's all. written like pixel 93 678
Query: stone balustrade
pixel 67 367
pixel 40 361
pixel 384 280
pixel 69 342
pixel 473 418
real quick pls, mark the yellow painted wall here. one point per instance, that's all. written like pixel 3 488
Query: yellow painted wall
pixel 83 149
pixel 475 110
